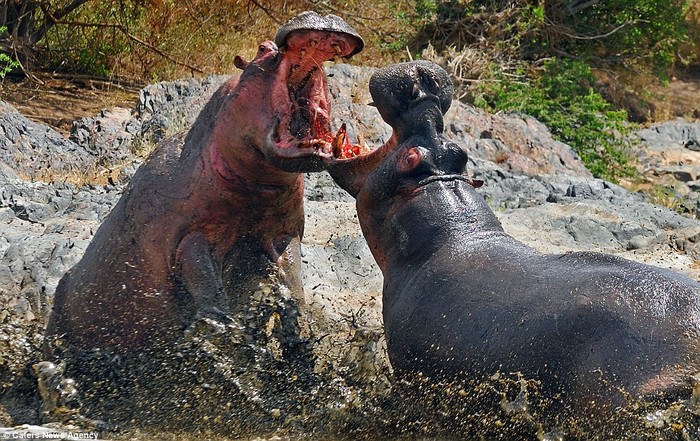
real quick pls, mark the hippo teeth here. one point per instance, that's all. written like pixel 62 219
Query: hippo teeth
pixel 341 147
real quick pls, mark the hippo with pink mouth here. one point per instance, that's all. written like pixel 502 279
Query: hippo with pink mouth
pixel 211 213
pixel 463 300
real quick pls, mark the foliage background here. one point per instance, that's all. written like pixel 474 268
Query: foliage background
pixel 580 66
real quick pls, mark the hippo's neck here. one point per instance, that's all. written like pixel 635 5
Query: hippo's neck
pixel 444 212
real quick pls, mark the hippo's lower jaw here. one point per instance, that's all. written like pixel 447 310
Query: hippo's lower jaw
pixel 312 153
pixel 305 155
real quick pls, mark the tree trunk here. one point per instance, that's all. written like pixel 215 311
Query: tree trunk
pixel 27 22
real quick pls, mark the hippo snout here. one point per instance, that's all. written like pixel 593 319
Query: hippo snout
pixel 430 159
pixel 310 20
pixel 452 159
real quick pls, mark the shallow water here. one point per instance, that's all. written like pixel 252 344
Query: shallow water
pixel 259 375
pixel 187 401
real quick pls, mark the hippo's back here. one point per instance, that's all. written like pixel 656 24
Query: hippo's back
pixel 118 275
pixel 500 306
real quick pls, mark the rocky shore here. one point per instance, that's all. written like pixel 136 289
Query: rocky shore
pixel 54 192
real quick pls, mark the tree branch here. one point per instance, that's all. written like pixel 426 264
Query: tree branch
pixel 265 10
pixel 607 34
pixel 577 5
pixel 132 37
pixel 72 6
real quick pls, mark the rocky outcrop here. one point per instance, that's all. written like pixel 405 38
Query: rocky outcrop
pixel 669 153
pixel 170 107
pixel 538 187
pixel 517 143
pixel 35 151
pixel 109 136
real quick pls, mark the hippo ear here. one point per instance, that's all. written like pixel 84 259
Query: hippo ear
pixel 476 183
pixel 409 159
pixel 239 62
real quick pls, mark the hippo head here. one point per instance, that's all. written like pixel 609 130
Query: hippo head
pixel 393 180
pixel 400 192
pixel 279 105
pixel 412 98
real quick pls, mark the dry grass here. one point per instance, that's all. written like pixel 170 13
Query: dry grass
pixel 93 175
pixel 659 194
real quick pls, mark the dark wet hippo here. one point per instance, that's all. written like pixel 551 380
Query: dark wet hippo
pixel 412 98
pixel 464 300
pixel 212 212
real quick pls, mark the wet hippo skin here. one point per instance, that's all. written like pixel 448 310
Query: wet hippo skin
pixel 463 300
pixel 213 211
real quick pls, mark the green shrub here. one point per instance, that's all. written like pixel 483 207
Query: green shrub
pixel 92 48
pixel 647 33
pixel 6 63
pixel 562 97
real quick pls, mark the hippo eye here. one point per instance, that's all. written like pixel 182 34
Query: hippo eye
pixel 261 49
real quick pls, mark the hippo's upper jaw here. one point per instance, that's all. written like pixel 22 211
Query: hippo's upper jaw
pixel 299 138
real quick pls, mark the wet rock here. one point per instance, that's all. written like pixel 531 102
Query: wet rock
pixel 59 395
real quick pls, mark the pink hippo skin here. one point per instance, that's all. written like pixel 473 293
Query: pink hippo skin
pixel 212 212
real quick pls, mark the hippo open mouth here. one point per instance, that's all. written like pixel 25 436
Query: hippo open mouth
pixel 301 129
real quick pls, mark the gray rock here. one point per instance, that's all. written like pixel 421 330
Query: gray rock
pixel 36 151
pixel 169 107
pixel 683 173
pixel 670 154
pixel 108 136
pixel 518 143
pixel 670 134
